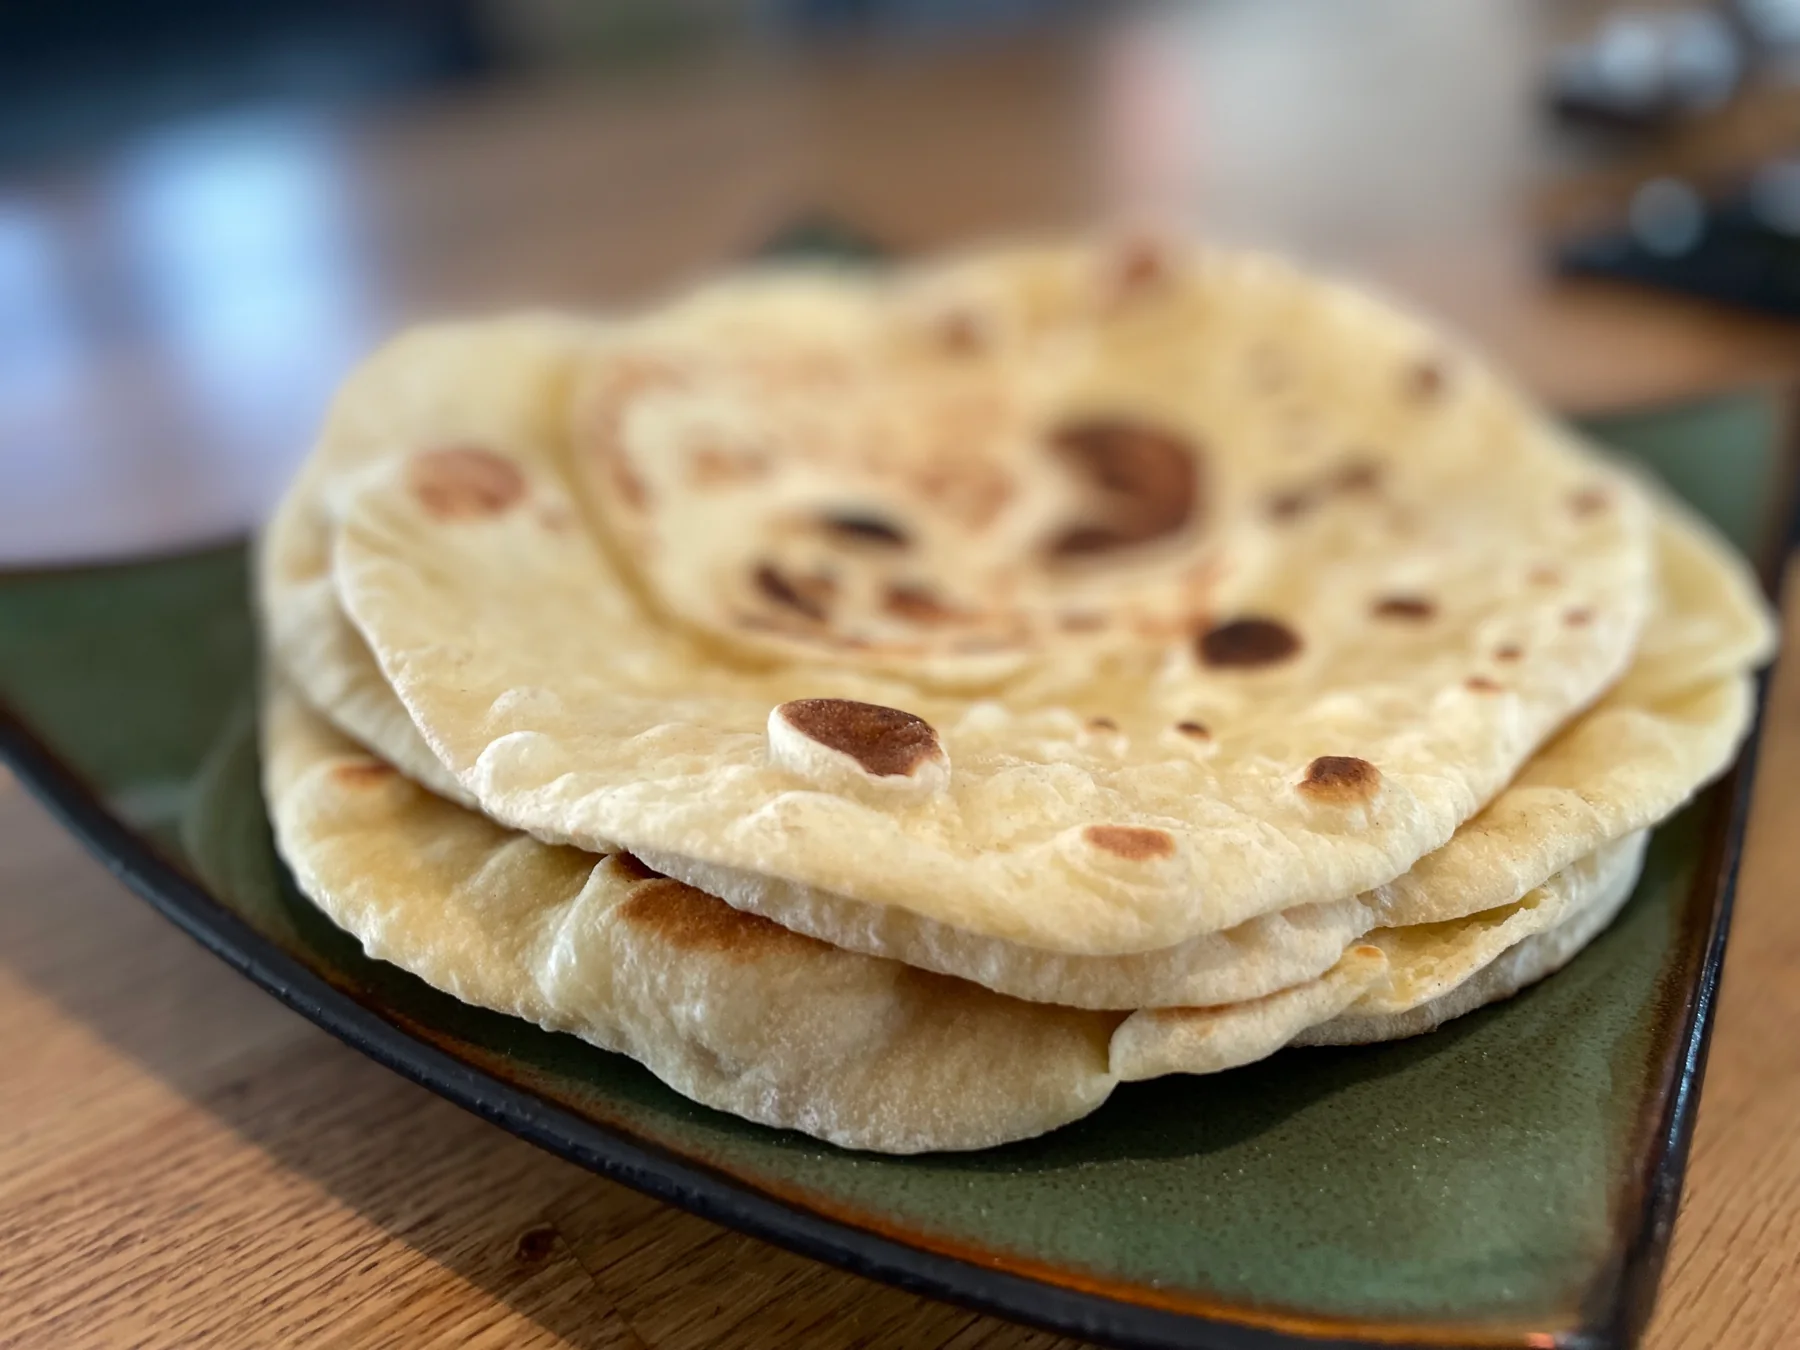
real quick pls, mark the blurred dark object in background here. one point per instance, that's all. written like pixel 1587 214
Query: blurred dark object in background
pixel 1645 69
pixel 75 77
pixel 1743 249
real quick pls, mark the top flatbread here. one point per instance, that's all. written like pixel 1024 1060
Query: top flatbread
pixel 1311 695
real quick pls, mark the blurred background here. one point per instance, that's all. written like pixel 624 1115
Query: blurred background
pixel 210 208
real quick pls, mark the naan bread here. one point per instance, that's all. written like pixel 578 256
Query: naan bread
pixel 1310 696
pixel 448 394
pixel 728 1008
pixel 1532 959
pixel 1653 740
pixel 1433 973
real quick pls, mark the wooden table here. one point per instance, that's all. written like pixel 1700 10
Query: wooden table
pixel 186 1162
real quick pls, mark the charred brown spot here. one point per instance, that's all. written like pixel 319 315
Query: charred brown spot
pixel 1081 540
pixel 1134 843
pixel 961 332
pixel 1341 778
pixel 362 773
pixel 1081 621
pixel 1425 380
pixel 1359 475
pixel 1197 730
pixel 1248 642
pixel 633 868
pixel 1139 265
pixel 712 466
pixel 1412 608
pixel 1590 501
pixel 1578 618
pixel 1102 724
pixel 626 482
pixel 1290 505
pixel 1544 576
pixel 886 742
pixel 1508 651
pixel 1481 684
pixel 863 529
pixel 982 644
pixel 1146 480
pixel 916 604
pixel 691 920
pixel 807 596
pixel 464 482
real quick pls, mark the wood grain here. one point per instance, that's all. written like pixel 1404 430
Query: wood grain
pixel 187 1163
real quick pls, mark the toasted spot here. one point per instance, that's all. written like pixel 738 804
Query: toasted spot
pixel 1135 843
pixel 1197 730
pixel 1508 651
pixel 1290 505
pixel 857 528
pixel 626 482
pixel 1341 778
pixel 1140 264
pixel 982 643
pixel 961 332
pixel 462 482
pixel 1590 501
pixel 807 597
pixel 1145 482
pixel 712 466
pixel 1544 576
pixel 1248 642
pixel 1102 724
pixel 632 867
pixel 1412 608
pixel 886 742
pixel 1358 475
pixel 916 604
pixel 1578 618
pixel 1081 621
pixel 1481 684
pixel 1425 380
pixel 362 773
pixel 691 920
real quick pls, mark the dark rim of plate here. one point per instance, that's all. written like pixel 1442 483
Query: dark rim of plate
pixel 1613 1313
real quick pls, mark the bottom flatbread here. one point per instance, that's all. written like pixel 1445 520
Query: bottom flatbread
pixel 736 1012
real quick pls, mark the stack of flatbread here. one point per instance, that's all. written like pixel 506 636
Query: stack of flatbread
pixel 901 707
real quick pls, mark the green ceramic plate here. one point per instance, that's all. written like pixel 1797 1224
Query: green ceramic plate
pixel 1509 1180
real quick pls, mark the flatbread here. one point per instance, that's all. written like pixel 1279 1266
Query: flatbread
pixel 1672 724
pixel 330 665
pixel 728 1008
pixel 1354 712
pixel 434 383
pixel 1534 958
